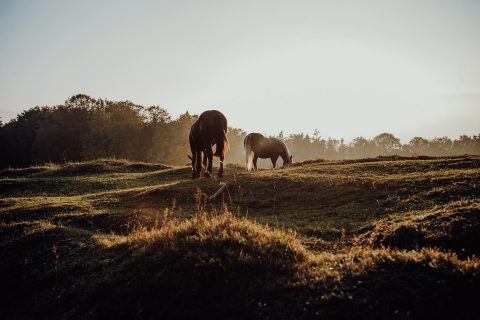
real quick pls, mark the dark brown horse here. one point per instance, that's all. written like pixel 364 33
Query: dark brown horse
pixel 257 146
pixel 210 129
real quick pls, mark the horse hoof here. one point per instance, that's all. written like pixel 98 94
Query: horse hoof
pixel 207 174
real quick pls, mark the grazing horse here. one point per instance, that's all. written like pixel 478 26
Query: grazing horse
pixel 210 129
pixel 257 146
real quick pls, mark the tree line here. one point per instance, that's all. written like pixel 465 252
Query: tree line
pixel 84 128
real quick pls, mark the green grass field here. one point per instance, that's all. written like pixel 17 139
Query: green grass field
pixel 386 238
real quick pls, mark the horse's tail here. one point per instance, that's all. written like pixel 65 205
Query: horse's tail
pixel 221 139
pixel 248 153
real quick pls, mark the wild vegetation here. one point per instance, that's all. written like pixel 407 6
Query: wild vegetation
pixel 85 129
pixel 387 237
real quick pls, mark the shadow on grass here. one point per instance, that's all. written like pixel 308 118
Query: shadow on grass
pixel 222 267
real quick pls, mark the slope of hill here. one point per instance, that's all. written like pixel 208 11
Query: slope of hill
pixel 372 238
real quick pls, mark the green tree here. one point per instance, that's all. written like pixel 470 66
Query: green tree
pixel 418 146
pixel 387 144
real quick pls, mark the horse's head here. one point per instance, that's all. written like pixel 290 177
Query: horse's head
pixel 288 160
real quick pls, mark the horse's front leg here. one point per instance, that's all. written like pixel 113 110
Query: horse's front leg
pixel 209 155
pixel 198 163
pixel 205 158
pixel 194 164
pixel 274 161
pixel 220 171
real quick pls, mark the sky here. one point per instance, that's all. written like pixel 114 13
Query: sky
pixel 346 68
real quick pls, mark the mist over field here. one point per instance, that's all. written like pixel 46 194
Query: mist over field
pixel 85 128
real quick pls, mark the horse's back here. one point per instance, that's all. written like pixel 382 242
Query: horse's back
pixel 255 138
pixel 213 119
pixel 259 144
pixel 264 147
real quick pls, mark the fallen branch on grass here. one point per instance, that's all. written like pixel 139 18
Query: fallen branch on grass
pixel 223 185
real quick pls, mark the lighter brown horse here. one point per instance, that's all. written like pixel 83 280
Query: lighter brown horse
pixel 210 129
pixel 257 146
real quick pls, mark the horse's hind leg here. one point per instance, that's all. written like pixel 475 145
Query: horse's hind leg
pixel 255 158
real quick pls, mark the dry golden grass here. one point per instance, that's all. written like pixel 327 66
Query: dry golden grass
pixel 378 238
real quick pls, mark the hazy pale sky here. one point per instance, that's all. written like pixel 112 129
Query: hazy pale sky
pixel 346 68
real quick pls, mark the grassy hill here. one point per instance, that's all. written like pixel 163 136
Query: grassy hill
pixel 373 238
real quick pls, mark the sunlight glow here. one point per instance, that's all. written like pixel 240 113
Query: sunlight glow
pixel 346 68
